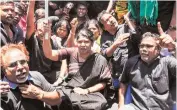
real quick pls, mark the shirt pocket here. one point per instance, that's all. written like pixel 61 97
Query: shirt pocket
pixel 160 84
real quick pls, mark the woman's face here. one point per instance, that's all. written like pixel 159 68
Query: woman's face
pixel 62 30
pixel 92 27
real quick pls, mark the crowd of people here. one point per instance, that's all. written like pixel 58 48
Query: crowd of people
pixel 88 55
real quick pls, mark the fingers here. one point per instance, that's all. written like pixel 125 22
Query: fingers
pixel 74 21
pixel 124 36
pixel 4 83
pixel 4 87
pixel 161 32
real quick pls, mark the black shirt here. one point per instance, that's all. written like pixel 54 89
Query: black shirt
pixel 14 100
pixel 150 84
pixel 122 52
pixel 38 61
pixel 17 36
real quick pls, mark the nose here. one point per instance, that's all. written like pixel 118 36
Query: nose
pixel 10 12
pixel 82 44
pixel 19 65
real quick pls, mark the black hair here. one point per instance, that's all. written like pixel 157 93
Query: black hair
pixel 86 4
pixel 59 23
pixel 94 21
pixel 86 33
pixel 100 16
pixel 152 35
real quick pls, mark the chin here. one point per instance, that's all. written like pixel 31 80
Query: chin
pixel 22 80
pixel 145 59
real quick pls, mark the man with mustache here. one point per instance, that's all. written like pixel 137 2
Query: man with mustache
pixel 25 90
pixel 151 76
pixel 8 32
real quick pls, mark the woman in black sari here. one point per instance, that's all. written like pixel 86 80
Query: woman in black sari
pixel 89 73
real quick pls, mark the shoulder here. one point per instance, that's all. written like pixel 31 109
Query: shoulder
pixel 131 61
pixel 35 74
pixel 168 59
pixel 100 58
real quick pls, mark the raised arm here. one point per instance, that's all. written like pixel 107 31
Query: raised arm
pixel 121 39
pixel 130 24
pixel 48 52
pixel 70 42
pixel 30 19
pixel 110 6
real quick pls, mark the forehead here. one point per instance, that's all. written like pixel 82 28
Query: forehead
pixel 17 10
pixel 14 55
pixel 148 40
pixel 81 38
pixel 92 25
pixel 7 5
pixel 105 16
pixel 82 6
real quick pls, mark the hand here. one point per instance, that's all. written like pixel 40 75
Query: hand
pixel 4 87
pixel 121 39
pixel 53 5
pixel 165 39
pixel 31 91
pixel 47 29
pixel 74 24
pixel 66 17
pixel 58 82
pixel 80 91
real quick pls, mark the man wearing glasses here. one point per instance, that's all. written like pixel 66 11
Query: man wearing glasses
pixel 150 75
pixel 23 89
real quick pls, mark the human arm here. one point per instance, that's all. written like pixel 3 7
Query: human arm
pixel 30 19
pixel 165 39
pixel 4 88
pixel 130 23
pixel 110 6
pixel 120 40
pixel 33 92
pixel 95 88
pixel 63 72
pixel 70 42
pixel 47 48
pixel 121 95
pixel 172 29
pixel 39 88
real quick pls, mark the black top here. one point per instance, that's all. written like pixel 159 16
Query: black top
pixel 150 84
pixel 38 61
pixel 14 100
pixel 122 52
pixel 17 35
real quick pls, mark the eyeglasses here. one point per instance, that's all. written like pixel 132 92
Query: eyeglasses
pixel 15 64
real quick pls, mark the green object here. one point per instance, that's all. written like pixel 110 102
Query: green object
pixel 146 11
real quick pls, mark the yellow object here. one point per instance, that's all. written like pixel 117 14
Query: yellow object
pixel 121 9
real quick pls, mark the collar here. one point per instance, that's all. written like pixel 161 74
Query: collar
pixel 149 64
pixel 15 85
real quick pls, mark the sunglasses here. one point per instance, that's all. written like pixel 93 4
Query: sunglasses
pixel 15 64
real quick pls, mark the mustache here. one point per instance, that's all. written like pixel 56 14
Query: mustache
pixel 10 16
